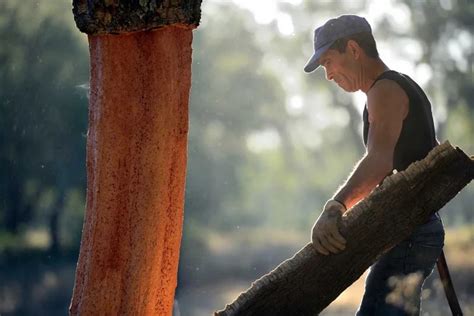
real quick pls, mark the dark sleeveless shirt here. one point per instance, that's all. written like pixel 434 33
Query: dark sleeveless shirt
pixel 417 136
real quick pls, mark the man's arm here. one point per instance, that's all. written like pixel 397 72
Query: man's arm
pixel 387 106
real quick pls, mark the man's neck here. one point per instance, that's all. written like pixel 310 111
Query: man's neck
pixel 373 69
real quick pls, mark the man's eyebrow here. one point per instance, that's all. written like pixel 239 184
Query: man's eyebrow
pixel 322 60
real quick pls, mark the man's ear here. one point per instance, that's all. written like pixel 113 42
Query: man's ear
pixel 353 49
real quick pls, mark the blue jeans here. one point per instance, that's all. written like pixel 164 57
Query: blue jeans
pixel 394 283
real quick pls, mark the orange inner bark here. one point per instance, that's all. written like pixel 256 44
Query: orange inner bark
pixel 136 165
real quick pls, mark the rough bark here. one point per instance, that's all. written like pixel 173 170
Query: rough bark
pixel 136 155
pixel 118 16
pixel 309 282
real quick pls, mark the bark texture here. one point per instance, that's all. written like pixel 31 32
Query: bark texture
pixel 309 282
pixel 136 164
pixel 125 16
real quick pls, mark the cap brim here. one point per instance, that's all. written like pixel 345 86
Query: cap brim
pixel 313 62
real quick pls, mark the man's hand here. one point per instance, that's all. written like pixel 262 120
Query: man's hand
pixel 325 234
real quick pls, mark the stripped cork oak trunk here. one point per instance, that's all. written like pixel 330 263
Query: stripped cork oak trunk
pixel 140 77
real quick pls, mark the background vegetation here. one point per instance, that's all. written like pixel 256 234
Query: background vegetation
pixel 268 144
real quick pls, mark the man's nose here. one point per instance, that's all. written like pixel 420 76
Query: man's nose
pixel 328 75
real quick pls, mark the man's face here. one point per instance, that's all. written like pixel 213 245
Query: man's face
pixel 341 68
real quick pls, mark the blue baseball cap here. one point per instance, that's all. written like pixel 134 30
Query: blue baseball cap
pixel 332 30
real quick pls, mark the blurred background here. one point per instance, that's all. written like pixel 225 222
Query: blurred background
pixel 268 144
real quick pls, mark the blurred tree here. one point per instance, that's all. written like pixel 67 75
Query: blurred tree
pixel 232 96
pixel 42 112
pixel 446 31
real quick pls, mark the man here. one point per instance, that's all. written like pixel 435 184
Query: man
pixel 398 129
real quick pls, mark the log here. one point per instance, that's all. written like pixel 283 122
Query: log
pixel 136 155
pixel 308 282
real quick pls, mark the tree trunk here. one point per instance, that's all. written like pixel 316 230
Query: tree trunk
pixel 308 282
pixel 55 246
pixel 14 209
pixel 136 155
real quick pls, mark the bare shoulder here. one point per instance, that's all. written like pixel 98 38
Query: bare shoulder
pixel 387 99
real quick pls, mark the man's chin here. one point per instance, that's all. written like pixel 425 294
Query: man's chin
pixel 345 89
pixel 342 87
pixel 348 89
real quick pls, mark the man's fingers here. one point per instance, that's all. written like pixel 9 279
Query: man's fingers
pixel 319 247
pixel 337 236
pixel 336 243
pixel 327 239
pixel 327 243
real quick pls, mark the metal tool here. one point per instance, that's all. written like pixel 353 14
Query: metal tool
pixel 448 285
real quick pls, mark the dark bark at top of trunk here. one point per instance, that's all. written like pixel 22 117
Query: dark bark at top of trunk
pixel 308 282
pixel 96 17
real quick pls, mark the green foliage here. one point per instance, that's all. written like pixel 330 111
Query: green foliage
pixel 8 241
pixel 445 30
pixel 43 111
pixel 70 222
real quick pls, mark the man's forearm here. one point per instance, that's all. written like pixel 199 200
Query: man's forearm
pixel 367 174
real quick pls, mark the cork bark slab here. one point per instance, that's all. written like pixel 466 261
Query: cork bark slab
pixel 308 282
